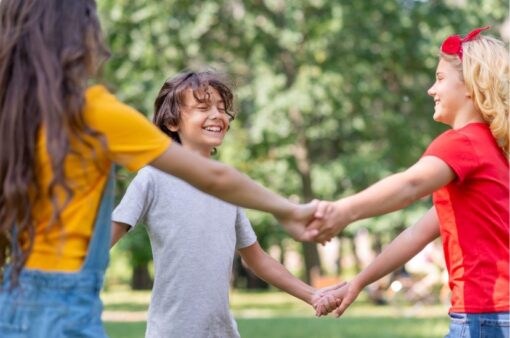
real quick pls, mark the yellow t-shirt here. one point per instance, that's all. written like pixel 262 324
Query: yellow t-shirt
pixel 131 141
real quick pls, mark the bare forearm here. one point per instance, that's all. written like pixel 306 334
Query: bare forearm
pixel 275 274
pixel 118 230
pixel 401 249
pixel 221 181
pixel 399 190
pixel 390 194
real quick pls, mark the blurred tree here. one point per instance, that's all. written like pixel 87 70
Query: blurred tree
pixel 331 94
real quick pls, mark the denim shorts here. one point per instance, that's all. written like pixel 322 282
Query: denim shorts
pixel 479 325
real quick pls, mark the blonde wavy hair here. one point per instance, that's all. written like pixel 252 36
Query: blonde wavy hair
pixel 485 71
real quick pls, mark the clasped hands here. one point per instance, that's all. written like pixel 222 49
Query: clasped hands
pixel 317 221
pixel 336 299
pixel 320 221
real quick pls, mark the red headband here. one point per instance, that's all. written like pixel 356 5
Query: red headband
pixel 452 45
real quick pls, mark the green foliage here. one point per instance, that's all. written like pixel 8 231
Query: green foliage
pixel 331 94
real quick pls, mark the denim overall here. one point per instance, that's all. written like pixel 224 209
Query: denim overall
pixel 55 305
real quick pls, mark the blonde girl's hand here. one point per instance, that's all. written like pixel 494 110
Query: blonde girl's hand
pixel 330 299
pixel 296 222
pixel 327 300
pixel 349 294
pixel 330 219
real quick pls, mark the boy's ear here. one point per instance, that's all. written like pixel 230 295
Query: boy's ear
pixel 172 127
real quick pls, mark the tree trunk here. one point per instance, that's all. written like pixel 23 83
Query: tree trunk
pixel 301 153
pixel 141 279
pixel 243 277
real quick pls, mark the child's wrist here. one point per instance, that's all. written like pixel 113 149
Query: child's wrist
pixel 312 295
pixel 286 209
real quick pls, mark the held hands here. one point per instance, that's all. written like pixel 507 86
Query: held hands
pixel 317 221
pixel 336 298
pixel 330 219
pixel 298 222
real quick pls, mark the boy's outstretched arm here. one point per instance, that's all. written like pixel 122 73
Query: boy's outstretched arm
pixel 406 245
pixel 118 230
pixel 389 194
pixel 267 268
pixel 228 184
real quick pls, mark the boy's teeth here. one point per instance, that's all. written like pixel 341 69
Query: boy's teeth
pixel 213 128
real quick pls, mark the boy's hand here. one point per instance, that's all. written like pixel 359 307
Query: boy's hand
pixel 330 299
pixel 337 300
pixel 330 219
pixel 297 222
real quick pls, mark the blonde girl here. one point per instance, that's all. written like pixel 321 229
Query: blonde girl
pixel 466 171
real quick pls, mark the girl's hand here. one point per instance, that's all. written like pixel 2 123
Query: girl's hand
pixel 337 299
pixel 296 223
pixel 330 219
pixel 329 300
pixel 350 293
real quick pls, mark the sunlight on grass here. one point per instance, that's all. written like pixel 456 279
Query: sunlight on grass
pixel 276 314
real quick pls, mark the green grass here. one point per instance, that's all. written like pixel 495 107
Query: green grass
pixel 125 329
pixel 277 315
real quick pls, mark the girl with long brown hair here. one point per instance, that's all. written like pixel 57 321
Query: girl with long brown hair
pixel 58 141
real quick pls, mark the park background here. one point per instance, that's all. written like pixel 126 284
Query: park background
pixel 331 96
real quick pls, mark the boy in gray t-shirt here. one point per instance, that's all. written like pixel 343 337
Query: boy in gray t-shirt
pixel 193 235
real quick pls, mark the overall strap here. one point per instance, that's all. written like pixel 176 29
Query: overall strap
pixel 99 246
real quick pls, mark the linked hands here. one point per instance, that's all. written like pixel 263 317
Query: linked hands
pixel 317 221
pixel 330 219
pixel 298 222
pixel 336 299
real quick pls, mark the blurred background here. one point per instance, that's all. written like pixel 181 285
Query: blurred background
pixel 330 97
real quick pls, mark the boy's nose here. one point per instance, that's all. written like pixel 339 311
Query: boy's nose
pixel 431 91
pixel 214 112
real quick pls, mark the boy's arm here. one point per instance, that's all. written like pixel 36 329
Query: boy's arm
pixel 133 206
pixel 276 274
pixel 389 194
pixel 118 230
pixel 228 184
pixel 399 251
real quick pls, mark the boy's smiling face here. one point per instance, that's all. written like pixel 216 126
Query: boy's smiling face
pixel 203 125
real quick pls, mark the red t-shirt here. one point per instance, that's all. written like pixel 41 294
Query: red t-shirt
pixel 474 219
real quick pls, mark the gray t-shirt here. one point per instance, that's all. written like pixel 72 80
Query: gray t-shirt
pixel 194 237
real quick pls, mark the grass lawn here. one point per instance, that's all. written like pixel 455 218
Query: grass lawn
pixel 277 315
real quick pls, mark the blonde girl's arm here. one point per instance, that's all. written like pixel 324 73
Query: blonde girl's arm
pixel 228 184
pixel 267 268
pixel 389 194
pixel 405 246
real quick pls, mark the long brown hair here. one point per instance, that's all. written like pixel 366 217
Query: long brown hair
pixel 48 50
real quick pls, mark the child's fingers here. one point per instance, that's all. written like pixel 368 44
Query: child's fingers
pixel 322 208
pixel 341 309
pixel 331 303
pixel 319 311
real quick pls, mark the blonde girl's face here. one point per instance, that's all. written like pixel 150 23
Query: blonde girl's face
pixel 450 94
pixel 203 125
